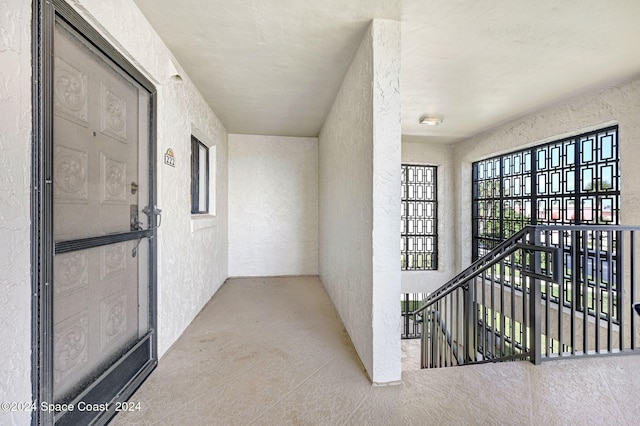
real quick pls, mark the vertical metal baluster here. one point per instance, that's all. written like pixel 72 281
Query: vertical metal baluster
pixel 445 347
pixel 435 336
pixel 439 331
pixel 402 314
pixel 466 323
pixel 445 329
pixel 416 325
pixel 535 298
pixel 513 305
pixel 596 271
pixel 632 284
pixel 403 306
pixel 409 323
pixel 408 306
pixel 417 301
pixel 457 324
pixel 494 281
pixel 423 339
pixel 462 327
pixel 503 330
pixel 467 317
pixel 453 314
pixel 420 329
pixel 473 307
pixel 437 320
pixel 423 342
pixel 585 292
pixel 432 337
pixel 441 342
pixel 548 289
pixel 420 326
pixel 610 279
pixel 441 345
pixel 483 278
pixel 574 287
pixel 412 303
pixel 535 331
pixel 450 328
pixel 561 298
pixel 620 285
pixel 525 282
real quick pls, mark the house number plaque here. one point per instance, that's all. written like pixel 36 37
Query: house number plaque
pixel 169 158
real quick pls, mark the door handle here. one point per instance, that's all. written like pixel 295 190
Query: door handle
pixel 156 212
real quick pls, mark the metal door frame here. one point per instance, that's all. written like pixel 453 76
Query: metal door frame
pixel 45 14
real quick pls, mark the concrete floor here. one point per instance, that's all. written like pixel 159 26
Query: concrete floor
pixel 272 351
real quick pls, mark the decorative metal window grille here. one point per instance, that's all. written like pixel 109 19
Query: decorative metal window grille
pixel 199 177
pixel 419 226
pixel 571 181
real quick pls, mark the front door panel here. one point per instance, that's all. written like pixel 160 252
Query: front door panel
pixel 100 185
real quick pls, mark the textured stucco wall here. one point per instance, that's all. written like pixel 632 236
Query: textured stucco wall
pixel 357 229
pixel 345 168
pixel 273 205
pixel 418 150
pixel 15 222
pixel 616 104
pixel 192 256
pixel 386 200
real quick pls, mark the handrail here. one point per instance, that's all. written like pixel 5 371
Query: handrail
pixel 555 277
pixel 539 307
pixel 479 265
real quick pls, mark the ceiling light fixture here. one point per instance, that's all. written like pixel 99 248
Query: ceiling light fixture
pixel 431 120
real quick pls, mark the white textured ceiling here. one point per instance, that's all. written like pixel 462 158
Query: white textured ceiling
pixel 273 67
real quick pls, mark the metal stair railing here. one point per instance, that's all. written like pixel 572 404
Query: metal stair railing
pixel 547 292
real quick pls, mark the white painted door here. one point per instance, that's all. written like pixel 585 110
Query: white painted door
pixel 100 180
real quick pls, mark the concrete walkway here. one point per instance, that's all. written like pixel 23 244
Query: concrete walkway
pixel 272 351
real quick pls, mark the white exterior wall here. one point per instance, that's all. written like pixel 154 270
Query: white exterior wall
pixel 417 150
pixel 15 218
pixel 359 198
pixel 191 265
pixel 619 104
pixel 386 201
pixel 273 205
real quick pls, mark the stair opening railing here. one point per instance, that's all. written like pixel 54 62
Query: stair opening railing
pixel 548 292
pixel 411 325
